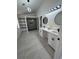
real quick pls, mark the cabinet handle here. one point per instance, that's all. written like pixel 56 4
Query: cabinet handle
pixel 58 38
pixel 58 30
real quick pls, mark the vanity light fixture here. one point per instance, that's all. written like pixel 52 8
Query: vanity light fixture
pixel 53 9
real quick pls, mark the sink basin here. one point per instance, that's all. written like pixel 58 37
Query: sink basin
pixel 51 30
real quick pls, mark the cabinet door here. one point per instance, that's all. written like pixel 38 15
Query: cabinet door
pixel 58 50
pixel 52 41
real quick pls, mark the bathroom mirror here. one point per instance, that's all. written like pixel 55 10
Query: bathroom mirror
pixel 45 20
pixel 58 19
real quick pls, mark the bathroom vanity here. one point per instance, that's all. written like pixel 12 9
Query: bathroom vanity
pixel 51 30
pixel 54 40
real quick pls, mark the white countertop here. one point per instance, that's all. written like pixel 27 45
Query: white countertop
pixel 52 31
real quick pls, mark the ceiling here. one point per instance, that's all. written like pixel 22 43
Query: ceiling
pixel 33 4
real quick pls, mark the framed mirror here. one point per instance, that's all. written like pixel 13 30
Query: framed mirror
pixel 45 20
pixel 58 19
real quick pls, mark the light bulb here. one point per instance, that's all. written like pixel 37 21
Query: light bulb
pixel 55 8
pixel 58 6
pixel 29 9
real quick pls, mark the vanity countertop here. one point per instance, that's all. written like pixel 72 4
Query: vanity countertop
pixel 52 31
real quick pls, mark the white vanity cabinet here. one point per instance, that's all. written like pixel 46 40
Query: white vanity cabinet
pixel 55 42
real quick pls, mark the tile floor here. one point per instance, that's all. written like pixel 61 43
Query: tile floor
pixel 31 46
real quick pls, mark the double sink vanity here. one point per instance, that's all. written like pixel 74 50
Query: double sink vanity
pixel 51 34
pixel 50 28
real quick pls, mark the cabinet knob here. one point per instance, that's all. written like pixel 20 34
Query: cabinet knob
pixel 58 38
pixel 58 30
